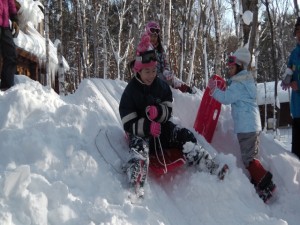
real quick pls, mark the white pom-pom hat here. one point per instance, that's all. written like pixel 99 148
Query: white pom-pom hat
pixel 243 56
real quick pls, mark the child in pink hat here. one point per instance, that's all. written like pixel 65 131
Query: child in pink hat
pixel 145 110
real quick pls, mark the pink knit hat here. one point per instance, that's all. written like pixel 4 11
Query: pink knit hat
pixel 144 48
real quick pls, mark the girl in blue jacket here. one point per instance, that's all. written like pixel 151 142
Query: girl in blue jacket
pixel 241 94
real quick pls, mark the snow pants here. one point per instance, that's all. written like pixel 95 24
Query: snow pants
pixel 249 146
pixel 295 137
pixel 9 55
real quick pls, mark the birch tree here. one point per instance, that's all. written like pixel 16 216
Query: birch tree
pixel 194 37
pixel 236 18
pixel 84 59
pixel 273 54
pixel 296 6
pixel 116 46
pixel 103 13
pixel 218 54
pixel 95 24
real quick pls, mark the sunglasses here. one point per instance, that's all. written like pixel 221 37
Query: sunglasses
pixel 231 60
pixel 154 30
pixel 147 57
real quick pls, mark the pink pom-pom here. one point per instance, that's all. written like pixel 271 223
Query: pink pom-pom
pixel 144 43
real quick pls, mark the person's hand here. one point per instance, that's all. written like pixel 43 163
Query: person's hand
pixel 168 75
pixel 294 86
pixel 287 76
pixel 212 84
pixel 155 129
pixel 151 112
pixel 15 29
pixel 284 86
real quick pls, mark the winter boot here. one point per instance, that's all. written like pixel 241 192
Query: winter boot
pixel 265 188
pixel 197 155
pixel 137 171
pixel 261 179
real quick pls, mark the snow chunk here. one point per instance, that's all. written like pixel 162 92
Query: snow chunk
pixel 247 17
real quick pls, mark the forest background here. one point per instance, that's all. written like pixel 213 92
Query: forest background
pixel 99 36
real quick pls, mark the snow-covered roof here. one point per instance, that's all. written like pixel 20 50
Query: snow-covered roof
pixel 29 39
pixel 268 97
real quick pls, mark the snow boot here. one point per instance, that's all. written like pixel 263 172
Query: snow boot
pixel 265 188
pixel 198 156
pixel 261 179
pixel 137 171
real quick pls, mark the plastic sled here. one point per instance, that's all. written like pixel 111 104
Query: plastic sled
pixel 173 158
pixel 209 111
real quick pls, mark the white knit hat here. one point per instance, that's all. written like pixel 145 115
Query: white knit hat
pixel 243 56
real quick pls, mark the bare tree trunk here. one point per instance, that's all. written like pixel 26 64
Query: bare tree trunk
pixel 47 79
pixel 218 55
pixel 296 8
pixel 135 25
pixel 253 35
pixel 79 76
pixel 206 21
pixel 169 24
pixel 83 37
pixel 126 53
pixel 103 33
pixel 266 112
pixel 95 29
pixel 241 24
pixel 61 74
pixel 182 47
pixel 116 48
pixel 275 72
pixel 195 36
pixel 235 18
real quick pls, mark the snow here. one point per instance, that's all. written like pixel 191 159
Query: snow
pixel 247 17
pixel 52 171
pixel 262 98
pixel 30 15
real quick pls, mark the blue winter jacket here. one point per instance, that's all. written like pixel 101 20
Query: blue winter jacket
pixel 241 94
pixel 294 64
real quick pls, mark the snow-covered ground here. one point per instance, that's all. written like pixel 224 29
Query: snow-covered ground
pixel 53 172
pixel 285 137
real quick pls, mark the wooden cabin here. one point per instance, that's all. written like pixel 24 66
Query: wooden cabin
pixel 285 119
pixel 27 62
pixel 266 97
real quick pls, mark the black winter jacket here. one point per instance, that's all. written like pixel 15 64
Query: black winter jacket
pixel 136 97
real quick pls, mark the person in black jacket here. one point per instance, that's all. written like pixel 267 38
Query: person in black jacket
pixel 145 109
pixel 8 14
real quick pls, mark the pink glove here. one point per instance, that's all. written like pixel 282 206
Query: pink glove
pixel 155 129
pixel 151 112
pixel 212 84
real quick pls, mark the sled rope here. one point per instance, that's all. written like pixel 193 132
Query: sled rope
pixel 162 153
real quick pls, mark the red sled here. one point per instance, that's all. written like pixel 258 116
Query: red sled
pixel 171 159
pixel 209 111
